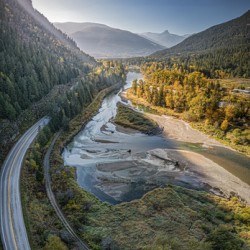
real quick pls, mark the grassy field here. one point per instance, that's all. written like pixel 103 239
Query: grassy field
pixel 129 118
pixel 231 83
pixel 160 219
pixel 174 218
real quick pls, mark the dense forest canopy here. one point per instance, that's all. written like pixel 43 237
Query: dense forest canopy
pixel 197 99
pixel 32 61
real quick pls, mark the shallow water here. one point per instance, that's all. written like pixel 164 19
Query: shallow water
pixel 99 142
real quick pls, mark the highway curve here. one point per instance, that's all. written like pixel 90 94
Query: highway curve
pixel 13 231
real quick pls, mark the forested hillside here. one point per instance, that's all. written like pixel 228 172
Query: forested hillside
pixel 32 60
pixel 222 47
pixel 38 61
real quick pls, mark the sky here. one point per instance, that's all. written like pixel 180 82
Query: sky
pixel 178 16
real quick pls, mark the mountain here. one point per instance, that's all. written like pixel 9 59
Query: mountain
pixel 165 38
pixel 222 47
pixel 102 41
pixel 34 57
pixel 230 34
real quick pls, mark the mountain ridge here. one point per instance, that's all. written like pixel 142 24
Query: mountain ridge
pixel 103 41
pixel 40 19
pixel 72 27
pixel 165 38
pixel 220 35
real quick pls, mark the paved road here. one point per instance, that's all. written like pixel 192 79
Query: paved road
pixel 13 231
pixel 52 199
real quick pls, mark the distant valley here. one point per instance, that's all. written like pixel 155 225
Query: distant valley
pixel 102 41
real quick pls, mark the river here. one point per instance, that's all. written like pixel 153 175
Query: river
pixel 117 166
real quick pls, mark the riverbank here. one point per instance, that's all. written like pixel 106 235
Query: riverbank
pixel 172 127
pixel 137 173
pixel 176 128
pixel 221 181
pixel 80 121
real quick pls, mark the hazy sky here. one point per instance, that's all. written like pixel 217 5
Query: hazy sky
pixel 178 16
